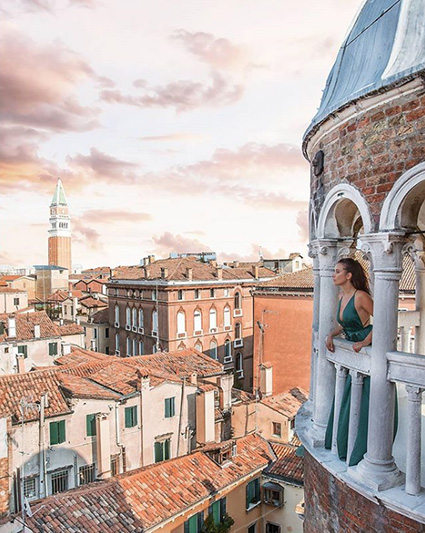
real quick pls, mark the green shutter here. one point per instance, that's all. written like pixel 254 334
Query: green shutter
pixel 167 408
pixel 91 425
pixel 130 416
pixel 127 417
pixel 200 520
pixel 172 407
pixel 61 431
pixel 134 416
pixel 186 525
pixel 158 452
pixel 216 512
pixel 54 436
pixel 167 449
pixel 23 350
pixel 222 508
pixel 50 348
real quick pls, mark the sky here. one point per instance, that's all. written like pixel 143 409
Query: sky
pixel 175 125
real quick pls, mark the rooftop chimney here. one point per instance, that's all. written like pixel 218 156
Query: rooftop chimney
pixel 213 263
pixel 255 271
pixel 146 272
pixel 194 378
pixel 37 331
pixel 266 379
pixel 236 264
pixel 66 348
pixel 189 273
pixel 12 326
pixel 145 261
pixel 164 273
pixel 151 259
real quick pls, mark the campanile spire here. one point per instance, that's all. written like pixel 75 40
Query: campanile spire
pixel 60 229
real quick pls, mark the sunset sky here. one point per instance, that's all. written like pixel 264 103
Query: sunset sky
pixel 175 125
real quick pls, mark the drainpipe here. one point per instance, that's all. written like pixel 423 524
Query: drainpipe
pixel 180 417
pixel 117 429
pixel 43 488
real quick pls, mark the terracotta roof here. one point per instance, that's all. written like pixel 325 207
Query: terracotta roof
pixel 91 302
pixel 144 498
pixel 302 279
pixel 10 278
pixel 287 465
pixel 80 356
pixel 177 271
pixel 287 403
pixel 25 326
pixel 101 317
pixel 242 396
pixel 70 329
pixel 81 387
pixel 9 290
pixel 58 296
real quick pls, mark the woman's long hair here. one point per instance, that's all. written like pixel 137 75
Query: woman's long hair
pixel 358 275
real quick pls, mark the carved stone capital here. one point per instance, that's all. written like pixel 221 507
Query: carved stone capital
pixel 385 250
pixel 414 393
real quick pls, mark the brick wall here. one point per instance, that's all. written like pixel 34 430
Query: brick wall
pixel 332 507
pixel 372 150
pixel 4 486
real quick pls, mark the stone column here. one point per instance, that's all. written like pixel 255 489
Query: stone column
pixel 413 456
pixel 314 254
pixel 341 376
pixel 378 469
pixel 324 386
pixel 355 404
pixel 419 258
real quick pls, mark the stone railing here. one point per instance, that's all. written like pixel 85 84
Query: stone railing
pixel 358 366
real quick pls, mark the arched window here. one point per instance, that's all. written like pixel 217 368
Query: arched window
pixel 181 322
pixel 117 342
pixel 141 318
pixel 227 316
pixel 128 346
pixel 155 320
pixel 134 313
pixel 197 320
pixel 141 348
pixel 238 300
pixel 198 346
pixel 238 330
pixel 227 351
pixel 128 316
pixel 239 364
pixel 213 319
pixel 213 350
pixel 182 346
pixel 117 315
pixel 134 347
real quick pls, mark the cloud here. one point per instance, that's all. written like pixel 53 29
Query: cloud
pixel 182 95
pixel 37 85
pixel 302 222
pixel 219 53
pixel 180 136
pixel 254 255
pixel 167 243
pixel 107 216
pixel 88 236
pixel 105 167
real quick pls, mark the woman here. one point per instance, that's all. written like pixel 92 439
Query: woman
pixel 354 310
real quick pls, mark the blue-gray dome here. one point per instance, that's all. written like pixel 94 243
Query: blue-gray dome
pixel 385 44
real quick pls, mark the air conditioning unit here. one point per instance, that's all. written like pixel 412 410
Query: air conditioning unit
pixel 117 352
pixel 237 312
pixel 198 333
pixel 238 343
pixel 154 334
pixel 117 324
pixel 128 327
pixel 213 330
pixel 141 330
pixel 134 328
pixel 227 328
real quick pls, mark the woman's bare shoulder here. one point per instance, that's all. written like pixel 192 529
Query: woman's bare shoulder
pixel 363 297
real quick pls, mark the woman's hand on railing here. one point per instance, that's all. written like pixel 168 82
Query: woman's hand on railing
pixel 330 343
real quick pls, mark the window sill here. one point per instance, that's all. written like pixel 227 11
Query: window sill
pixel 252 506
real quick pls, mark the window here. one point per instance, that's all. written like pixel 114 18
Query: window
pixel 277 429
pixel 197 320
pixel 195 523
pixel 106 333
pixel 272 528
pixel 273 494
pixel 155 320
pixel 154 296
pixel 213 319
pixel 252 493
pixel 107 350
pixel 179 294
pixel 141 348
pixel 213 350
pixel 130 416
pixel 162 450
pixel 134 317
pixel 134 352
pixel 127 316
pixel 181 323
pixel 251 528
pixel 239 363
pixel 53 348
pixel 170 409
pixel 218 510
pixel 227 351
pixel 115 465
pixel 15 301
pixel 198 346
pixel 23 350
pixel 117 315
pixel 292 424
pixel 141 318
pixel 238 300
pixel 59 481
pixel 238 330
pixel 197 294
pixel 57 432
pixel 86 474
pixel 30 487
pixel 117 342
pixel 128 346
pixel 91 425
pixel 212 293
pixel 227 317
pixel 226 293
pixel 94 333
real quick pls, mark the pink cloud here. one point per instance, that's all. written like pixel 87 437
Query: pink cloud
pixel 302 222
pixel 182 95
pixel 180 136
pixel 37 85
pixel 104 166
pixel 88 236
pixel 167 243
pixel 102 216
pixel 254 255
pixel 219 53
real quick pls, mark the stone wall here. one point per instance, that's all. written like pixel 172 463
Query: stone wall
pixel 372 149
pixel 333 507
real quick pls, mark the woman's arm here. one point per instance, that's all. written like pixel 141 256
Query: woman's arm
pixel 329 339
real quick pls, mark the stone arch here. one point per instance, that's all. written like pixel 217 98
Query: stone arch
pixel 343 211
pixel 403 208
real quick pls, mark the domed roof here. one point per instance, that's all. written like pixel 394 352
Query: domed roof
pixel 385 44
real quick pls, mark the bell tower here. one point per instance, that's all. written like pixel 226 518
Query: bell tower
pixel 60 230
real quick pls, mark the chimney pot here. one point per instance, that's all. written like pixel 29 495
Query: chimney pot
pixel 189 273
pixel 164 273
pixel 255 271
pixel 219 273
pixel 37 332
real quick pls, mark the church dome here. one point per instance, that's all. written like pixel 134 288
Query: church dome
pixel 384 47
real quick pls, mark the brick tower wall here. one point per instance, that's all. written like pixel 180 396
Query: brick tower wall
pixel 60 252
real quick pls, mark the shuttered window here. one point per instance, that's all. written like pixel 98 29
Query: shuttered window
pixel 91 425
pixel 57 432
pixel 162 450
pixel 170 409
pixel 194 524
pixel 130 415
pixel 252 493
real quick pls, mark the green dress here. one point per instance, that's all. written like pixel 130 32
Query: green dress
pixel 354 331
